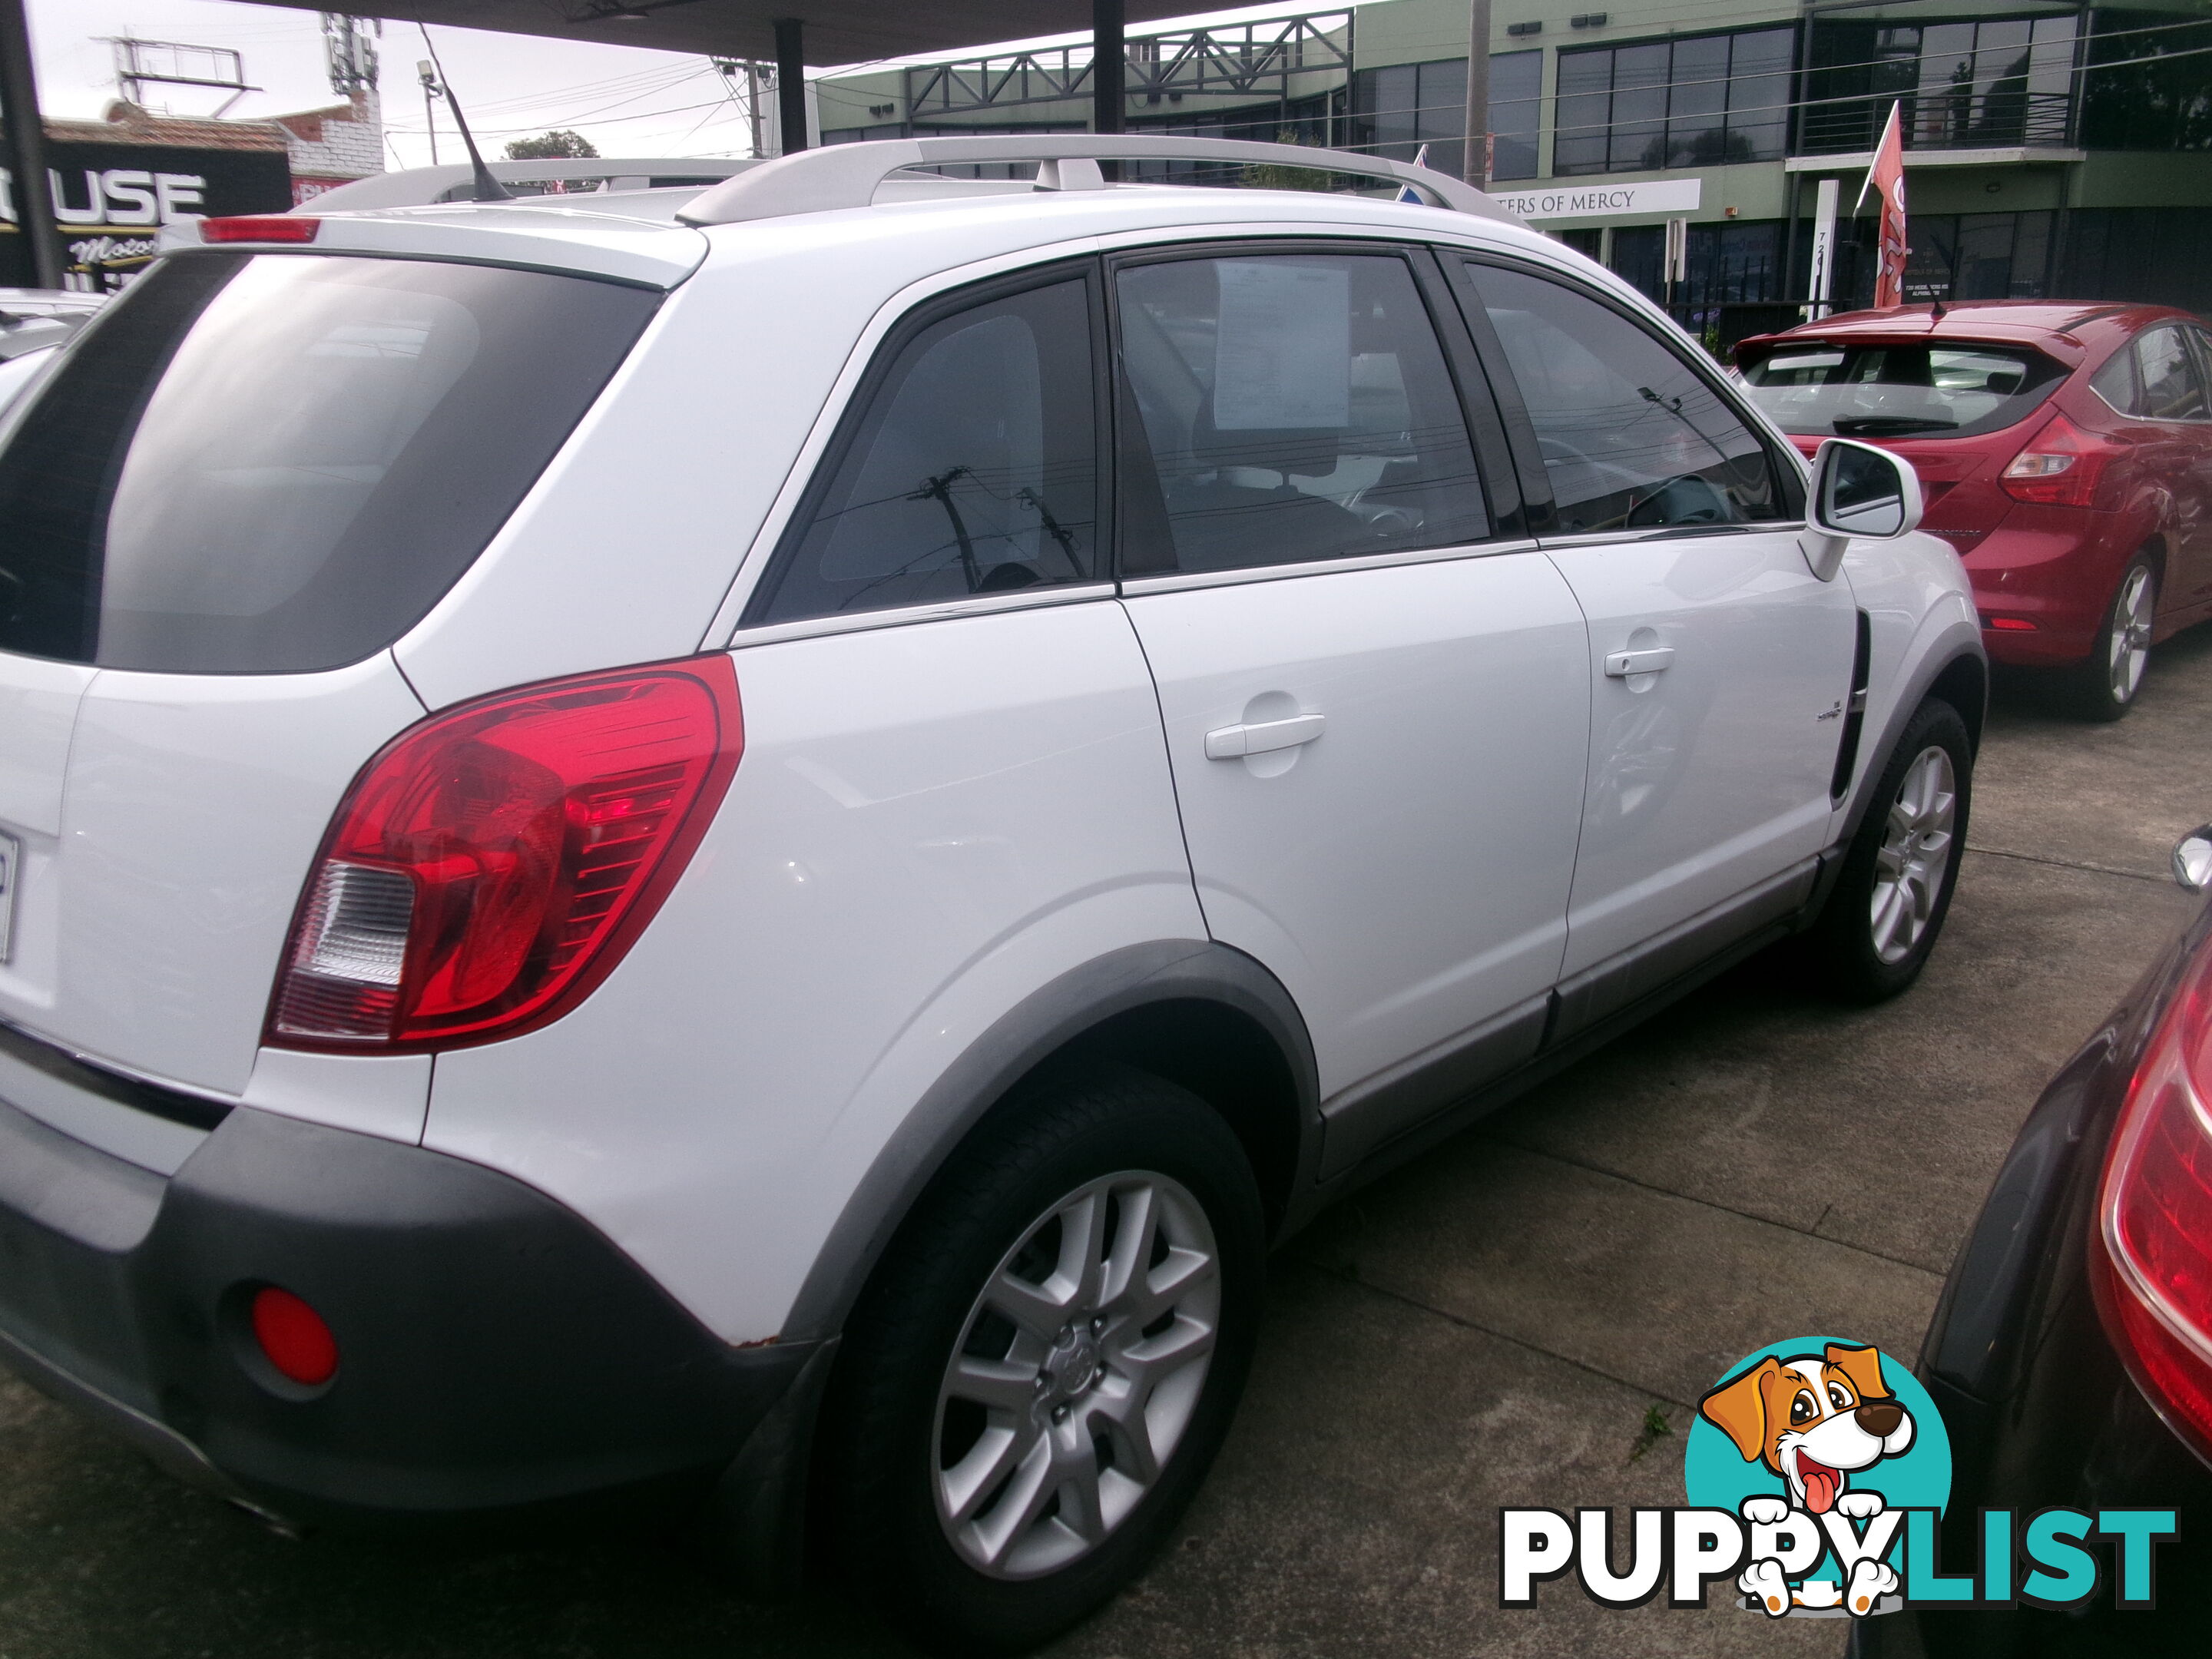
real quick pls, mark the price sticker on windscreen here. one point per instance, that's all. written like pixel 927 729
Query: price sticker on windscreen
pixel 1282 350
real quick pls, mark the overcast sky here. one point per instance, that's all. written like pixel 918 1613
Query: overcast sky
pixel 626 100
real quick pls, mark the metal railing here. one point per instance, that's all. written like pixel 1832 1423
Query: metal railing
pixel 1947 120
pixel 1226 58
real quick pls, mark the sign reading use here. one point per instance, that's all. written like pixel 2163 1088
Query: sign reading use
pixel 111 200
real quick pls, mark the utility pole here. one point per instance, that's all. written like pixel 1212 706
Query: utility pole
pixel 27 149
pixel 427 72
pixel 1108 67
pixel 1476 169
pixel 791 85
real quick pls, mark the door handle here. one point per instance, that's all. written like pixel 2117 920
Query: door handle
pixel 1231 742
pixel 1621 664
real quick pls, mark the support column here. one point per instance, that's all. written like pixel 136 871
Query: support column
pixel 1108 66
pixel 791 82
pixel 1475 166
pixel 25 149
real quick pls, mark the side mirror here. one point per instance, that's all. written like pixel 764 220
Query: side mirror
pixel 2192 859
pixel 1857 491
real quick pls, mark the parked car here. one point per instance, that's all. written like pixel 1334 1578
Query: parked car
pixel 749 848
pixel 2065 451
pixel 2071 1349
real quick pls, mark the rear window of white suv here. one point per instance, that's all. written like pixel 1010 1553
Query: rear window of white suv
pixel 268 464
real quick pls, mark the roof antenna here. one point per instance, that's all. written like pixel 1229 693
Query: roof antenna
pixel 487 189
pixel 1936 309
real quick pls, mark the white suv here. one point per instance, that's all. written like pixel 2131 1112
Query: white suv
pixel 750 845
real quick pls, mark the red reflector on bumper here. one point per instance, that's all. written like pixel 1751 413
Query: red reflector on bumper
pixel 294 1337
pixel 259 227
pixel 2010 625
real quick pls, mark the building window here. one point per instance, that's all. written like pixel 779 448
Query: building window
pixel 1700 102
pixel 1515 80
pixel 1997 82
pixel 1978 256
pixel 1737 262
pixel 1398 108
pixel 2155 103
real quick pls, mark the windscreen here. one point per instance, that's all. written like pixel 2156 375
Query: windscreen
pixel 1949 390
pixel 267 464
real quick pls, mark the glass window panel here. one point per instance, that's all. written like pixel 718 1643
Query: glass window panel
pixel 1442 88
pixel 2115 381
pixel 1516 79
pixel 1292 408
pixel 1639 107
pixel 973 470
pixel 1630 435
pixel 1582 112
pixel 1700 77
pixel 1762 51
pixel 277 463
pixel 2000 51
pixel 2171 390
pixel 1395 91
pixel 2050 58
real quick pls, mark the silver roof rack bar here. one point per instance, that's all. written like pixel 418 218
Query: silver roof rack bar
pixel 848 175
pixel 428 186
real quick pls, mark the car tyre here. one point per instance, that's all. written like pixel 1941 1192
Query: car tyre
pixel 1021 1410
pixel 1882 920
pixel 2104 685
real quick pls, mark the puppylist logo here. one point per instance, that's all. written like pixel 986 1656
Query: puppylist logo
pixel 1817 1471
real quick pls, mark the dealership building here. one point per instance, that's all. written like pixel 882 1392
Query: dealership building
pixel 2051 151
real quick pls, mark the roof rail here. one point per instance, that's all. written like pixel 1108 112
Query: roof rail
pixel 847 175
pixel 425 186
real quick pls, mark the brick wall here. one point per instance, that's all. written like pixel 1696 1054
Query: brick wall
pixel 334 145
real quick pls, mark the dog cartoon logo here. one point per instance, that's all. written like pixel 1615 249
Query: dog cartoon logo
pixel 1817 1428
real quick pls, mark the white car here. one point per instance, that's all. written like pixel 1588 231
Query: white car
pixel 746 848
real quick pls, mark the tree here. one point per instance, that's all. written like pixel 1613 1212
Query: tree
pixel 548 146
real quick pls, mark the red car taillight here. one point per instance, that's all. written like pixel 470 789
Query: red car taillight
pixel 491 864
pixel 2059 466
pixel 2155 1216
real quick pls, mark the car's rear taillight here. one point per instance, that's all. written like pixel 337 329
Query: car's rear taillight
pixel 2060 466
pixel 2155 1216
pixel 491 864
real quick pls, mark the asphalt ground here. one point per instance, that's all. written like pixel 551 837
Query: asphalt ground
pixel 1500 1324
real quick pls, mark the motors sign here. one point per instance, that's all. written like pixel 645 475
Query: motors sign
pixel 1605 201
pixel 111 200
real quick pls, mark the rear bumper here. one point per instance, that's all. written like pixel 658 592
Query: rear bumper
pixel 2055 567
pixel 497 1356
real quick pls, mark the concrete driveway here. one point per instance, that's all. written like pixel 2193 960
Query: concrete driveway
pixel 1491 1327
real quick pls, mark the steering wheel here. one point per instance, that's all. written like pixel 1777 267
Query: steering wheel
pixel 1704 503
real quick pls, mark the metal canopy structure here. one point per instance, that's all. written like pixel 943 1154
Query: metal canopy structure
pixel 835 31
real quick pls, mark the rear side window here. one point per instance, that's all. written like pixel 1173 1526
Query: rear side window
pixel 1287 408
pixel 269 464
pixel 2115 381
pixel 1903 390
pixel 1631 436
pixel 2166 372
pixel 973 468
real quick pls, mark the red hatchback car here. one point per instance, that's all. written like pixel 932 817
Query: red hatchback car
pixel 2065 450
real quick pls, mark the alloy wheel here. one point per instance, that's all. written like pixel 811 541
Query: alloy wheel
pixel 2130 634
pixel 1916 851
pixel 1078 1370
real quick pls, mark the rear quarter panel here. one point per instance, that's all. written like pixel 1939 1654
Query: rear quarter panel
pixel 929 822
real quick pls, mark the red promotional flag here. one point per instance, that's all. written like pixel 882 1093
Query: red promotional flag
pixel 1886 175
